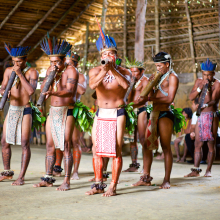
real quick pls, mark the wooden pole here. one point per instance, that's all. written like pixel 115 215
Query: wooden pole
pixel 104 10
pixel 125 29
pixel 219 20
pixel 157 26
pixel 86 48
pixel 140 29
pixel 191 40
pixel 10 13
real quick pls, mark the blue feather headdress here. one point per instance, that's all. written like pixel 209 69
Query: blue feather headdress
pixel 208 65
pixel 17 51
pixel 105 42
pixel 73 55
pixel 55 47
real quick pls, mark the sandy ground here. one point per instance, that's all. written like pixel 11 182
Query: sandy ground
pixel 188 198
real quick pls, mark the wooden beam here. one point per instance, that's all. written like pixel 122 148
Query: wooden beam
pixel 125 29
pixel 157 25
pixel 140 29
pixel 104 10
pixel 191 40
pixel 10 14
pixel 219 20
pixel 86 48
pixel 78 16
pixel 53 28
pixel 36 26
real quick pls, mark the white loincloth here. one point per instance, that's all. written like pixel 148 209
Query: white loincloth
pixel 13 125
pixel 57 125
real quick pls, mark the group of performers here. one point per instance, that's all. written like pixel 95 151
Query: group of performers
pixel 122 114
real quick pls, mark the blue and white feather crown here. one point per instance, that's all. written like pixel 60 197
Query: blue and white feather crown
pixel 208 65
pixel 17 51
pixel 105 42
pixel 73 55
pixel 55 47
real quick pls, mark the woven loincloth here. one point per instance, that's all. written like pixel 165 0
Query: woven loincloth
pixel 14 123
pixel 106 133
pixel 129 138
pixel 57 125
pixel 152 135
pixel 205 126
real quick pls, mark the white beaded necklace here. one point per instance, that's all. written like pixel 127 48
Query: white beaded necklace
pixel 109 78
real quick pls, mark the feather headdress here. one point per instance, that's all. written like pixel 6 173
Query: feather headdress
pixel 208 65
pixel 134 64
pixel 55 47
pixel 105 42
pixel 73 55
pixel 17 51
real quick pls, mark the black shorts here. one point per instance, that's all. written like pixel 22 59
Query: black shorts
pixel 142 109
pixel 27 111
pixel 120 112
pixel 167 114
pixel 70 112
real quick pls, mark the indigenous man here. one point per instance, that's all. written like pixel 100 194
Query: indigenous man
pixel 72 59
pixel 60 122
pixel 137 70
pixel 207 123
pixel 17 124
pixel 110 82
pixel 161 119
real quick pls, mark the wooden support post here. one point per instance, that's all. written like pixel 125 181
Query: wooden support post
pixel 10 13
pixel 86 48
pixel 140 29
pixel 104 10
pixel 157 26
pixel 219 20
pixel 191 40
pixel 125 29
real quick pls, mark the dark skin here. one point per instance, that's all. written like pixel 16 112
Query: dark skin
pixel 81 89
pixel 109 95
pixel 142 117
pixel 212 99
pixel 19 96
pixel 165 125
pixel 66 91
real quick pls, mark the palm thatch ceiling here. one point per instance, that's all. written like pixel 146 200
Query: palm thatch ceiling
pixel 25 22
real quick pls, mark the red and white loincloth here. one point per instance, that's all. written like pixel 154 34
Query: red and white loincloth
pixel 152 134
pixel 57 125
pixel 14 124
pixel 106 132
pixel 205 126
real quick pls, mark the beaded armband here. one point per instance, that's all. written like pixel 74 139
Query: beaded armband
pixel 196 169
pixel 57 169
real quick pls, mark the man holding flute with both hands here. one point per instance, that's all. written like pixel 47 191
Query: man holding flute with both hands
pixel 111 82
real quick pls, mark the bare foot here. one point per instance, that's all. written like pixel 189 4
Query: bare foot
pixel 43 184
pixel 93 179
pixel 178 160
pixel 64 187
pixel 141 183
pixel 192 174
pixel 5 178
pixel 94 191
pixel 131 169
pixel 18 182
pixel 165 185
pixel 56 173
pixel 111 191
pixel 75 176
pixel 160 157
pixel 208 174
pixel 182 160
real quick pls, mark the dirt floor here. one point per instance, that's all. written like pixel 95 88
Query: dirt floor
pixel 188 198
